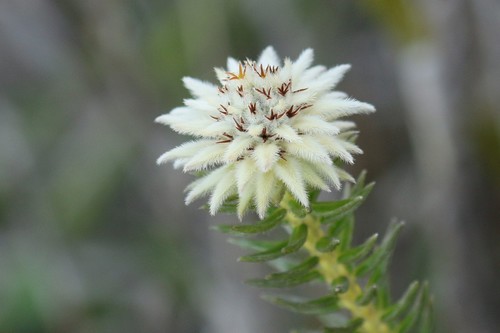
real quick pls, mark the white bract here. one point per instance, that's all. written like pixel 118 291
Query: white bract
pixel 267 127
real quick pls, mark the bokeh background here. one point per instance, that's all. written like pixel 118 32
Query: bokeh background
pixel 94 237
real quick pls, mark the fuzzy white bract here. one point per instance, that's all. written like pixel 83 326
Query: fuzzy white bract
pixel 267 127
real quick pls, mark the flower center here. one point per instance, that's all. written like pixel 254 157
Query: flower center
pixel 257 99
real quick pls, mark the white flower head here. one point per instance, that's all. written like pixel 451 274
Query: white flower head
pixel 267 127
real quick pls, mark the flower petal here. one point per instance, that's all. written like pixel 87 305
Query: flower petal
pixel 264 192
pixel 332 108
pixel 312 178
pixel 245 171
pixel 245 199
pixel 265 155
pixel 314 124
pixel 269 57
pixel 287 133
pixel 202 186
pixel 237 148
pixel 303 62
pixel 331 77
pixel 205 158
pixel 289 172
pixel 199 88
pixel 308 149
pixel 224 188
pixel 340 148
pixel 232 64
pixel 187 149
pixel 329 172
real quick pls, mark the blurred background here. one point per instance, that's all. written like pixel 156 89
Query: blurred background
pixel 94 237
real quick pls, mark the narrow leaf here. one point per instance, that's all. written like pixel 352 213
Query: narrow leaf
pixel 351 327
pixel 327 244
pixel 335 228
pixel 313 194
pixel 340 285
pixel 368 295
pixel 412 316
pixel 365 191
pixel 360 183
pixel 335 210
pixel 285 282
pixel 382 254
pixel 427 319
pixel 360 251
pixel 299 269
pixel 254 244
pixel 297 239
pixel 345 234
pixel 404 303
pixel 297 208
pixel 267 224
pixel 272 253
pixel 318 306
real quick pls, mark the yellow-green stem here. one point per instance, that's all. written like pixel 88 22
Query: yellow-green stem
pixel 330 268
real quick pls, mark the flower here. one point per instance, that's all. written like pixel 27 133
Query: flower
pixel 267 127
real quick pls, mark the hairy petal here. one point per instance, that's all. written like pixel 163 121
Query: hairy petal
pixel 202 186
pixel 289 173
pixel 244 173
pixel 205 158
pixel 265 187
pixel 237 148
pixel 245 198
pixel 187 149
pixel 287 133
pixel 224 188
pixel 314 124
pixel 199 88
pixel 265 155
pixel 269 57
pixel 303 62
pixel 309 149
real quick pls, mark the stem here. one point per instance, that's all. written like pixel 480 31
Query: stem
pixel 330 268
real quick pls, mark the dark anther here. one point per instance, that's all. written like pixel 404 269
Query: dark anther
pixel 265 136
pixel 253 108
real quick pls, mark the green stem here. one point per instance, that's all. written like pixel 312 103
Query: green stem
pixel 331 269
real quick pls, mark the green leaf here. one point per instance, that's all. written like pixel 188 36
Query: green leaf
pixel 270 254
pixel 383 294
pixel 254 244
pixel 297 239
pixel 365 191
pixel 335 228
pixel 335 210
pixel 351 327
pixel 296 207
pixel 360 251
pixel 327 244
pixel 404 303
pixel 313 195
pixel 382 254
pixel 292 281
pixel 318 306
pixel 345 234
pixel 266 224
pixel 296 275
pixel 299 269
pixel 230 206
pixel 360 183
pixel 340 285
pixel 412 317
pixel 368 295
pixel 427 319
